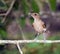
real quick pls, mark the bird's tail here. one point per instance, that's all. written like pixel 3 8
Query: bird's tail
pixel 44 30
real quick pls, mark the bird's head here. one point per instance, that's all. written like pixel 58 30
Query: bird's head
pixel 35 15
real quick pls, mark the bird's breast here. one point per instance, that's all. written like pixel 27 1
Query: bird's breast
pixel 38 26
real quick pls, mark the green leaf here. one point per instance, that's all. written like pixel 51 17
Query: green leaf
pixel 22 22
pixel 53 4
pixel 34 6
pixel 3 34
pixel 25 7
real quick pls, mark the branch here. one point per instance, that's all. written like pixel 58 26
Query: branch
pixel 19 48
pixel 3 1
pixel 28 41
pixel 9 10
pixel 4 14
pixel 11 6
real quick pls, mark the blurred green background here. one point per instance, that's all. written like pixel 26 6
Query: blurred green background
pixel 18 14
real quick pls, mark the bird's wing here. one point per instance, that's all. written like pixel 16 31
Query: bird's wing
pixel 43 24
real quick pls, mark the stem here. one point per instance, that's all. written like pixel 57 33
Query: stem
pixel 19 48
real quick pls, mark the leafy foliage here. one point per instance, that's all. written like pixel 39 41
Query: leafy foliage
pixel 3 6
pixel 25 7
pixel 34 6
pixel 3 34
pixel 53 4
pixel 22 22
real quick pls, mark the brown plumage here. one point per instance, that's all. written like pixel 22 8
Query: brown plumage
pixel 38 24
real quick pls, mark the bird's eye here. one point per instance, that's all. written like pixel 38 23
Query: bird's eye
pixel 35 14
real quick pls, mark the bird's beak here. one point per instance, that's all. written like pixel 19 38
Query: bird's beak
pixel 29 14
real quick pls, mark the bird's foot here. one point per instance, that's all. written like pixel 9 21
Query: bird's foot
pixel 37 34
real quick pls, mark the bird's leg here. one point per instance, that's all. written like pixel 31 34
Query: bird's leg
pixel 44 36
pixel 37 34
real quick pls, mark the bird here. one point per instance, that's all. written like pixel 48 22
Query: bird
pixel 38 24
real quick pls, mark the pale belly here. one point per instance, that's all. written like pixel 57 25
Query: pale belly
pixel 38 27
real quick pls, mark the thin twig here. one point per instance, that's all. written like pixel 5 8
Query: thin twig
pixel 9 10
pixel 23 36
pixel 4 14
pixel 11 6
pixel 19 48
pixel 3 1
